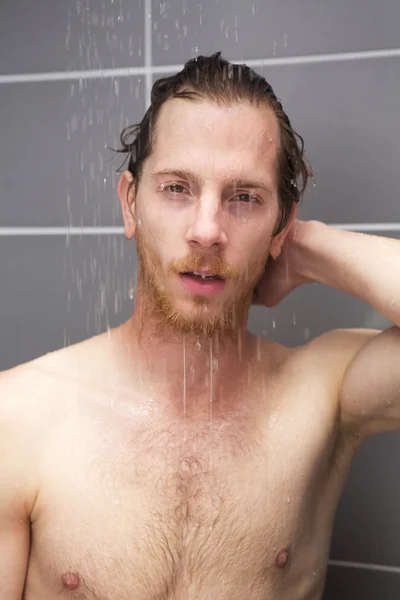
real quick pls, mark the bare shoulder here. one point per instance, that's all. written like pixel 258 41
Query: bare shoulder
pixel 21 436
pixel 33 406
pixel 342 345
pixel 332 353
pixel 325 358
pixel 27 393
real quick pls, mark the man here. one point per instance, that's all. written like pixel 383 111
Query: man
pixel 177 456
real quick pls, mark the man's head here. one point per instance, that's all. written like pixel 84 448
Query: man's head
pixel 213 180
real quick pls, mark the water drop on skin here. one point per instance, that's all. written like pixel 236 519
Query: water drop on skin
pixel 197 345
pixel 184 382
pixel 258 348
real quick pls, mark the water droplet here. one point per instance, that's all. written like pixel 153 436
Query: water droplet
pixel 273 324
pixel 272 421
pixel 258 347
pixel 131 293
pixel 197 345
pixel 288 500
pixel 294 319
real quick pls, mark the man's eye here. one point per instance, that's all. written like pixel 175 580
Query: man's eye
pixel 174 188
pixel 249 198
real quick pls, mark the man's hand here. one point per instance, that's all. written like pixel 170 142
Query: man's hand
pixel 282 275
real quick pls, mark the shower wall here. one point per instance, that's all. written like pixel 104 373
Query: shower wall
pixel 73 74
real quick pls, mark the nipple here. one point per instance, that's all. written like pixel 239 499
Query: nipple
pixel 71 581
pixel 282 558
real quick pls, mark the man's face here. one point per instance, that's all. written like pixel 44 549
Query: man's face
pixel 207 202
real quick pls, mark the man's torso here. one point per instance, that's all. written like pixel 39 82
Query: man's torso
pixel 135 503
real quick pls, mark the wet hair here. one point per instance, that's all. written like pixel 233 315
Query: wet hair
pixel 214 79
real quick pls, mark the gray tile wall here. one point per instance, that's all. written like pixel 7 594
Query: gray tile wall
pixel 56 171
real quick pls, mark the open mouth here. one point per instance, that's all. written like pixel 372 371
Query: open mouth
pixel 202 283
pixel 202 276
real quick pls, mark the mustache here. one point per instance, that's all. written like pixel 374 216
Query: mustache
pixel 194 263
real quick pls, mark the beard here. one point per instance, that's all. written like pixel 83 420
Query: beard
pixel 203 318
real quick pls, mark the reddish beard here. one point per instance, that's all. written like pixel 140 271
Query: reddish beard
pixel 203 319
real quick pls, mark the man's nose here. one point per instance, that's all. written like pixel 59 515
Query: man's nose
pixel 207 227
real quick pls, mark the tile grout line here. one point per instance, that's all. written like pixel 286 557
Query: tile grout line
pixel 68 231
pixel 365 566
pixel 148 70
pixel 148 56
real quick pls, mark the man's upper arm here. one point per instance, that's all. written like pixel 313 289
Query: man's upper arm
pixel 16 491
pixel 370 390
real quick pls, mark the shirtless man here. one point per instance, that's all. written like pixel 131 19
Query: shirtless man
pixel 178 457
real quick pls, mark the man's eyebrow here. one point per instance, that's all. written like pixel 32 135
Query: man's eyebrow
pixel 179 173
pixel 253 183
pixel 235 183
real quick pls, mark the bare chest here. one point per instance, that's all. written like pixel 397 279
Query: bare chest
pixel 173 511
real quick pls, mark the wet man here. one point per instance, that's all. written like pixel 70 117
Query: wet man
pixel 179 457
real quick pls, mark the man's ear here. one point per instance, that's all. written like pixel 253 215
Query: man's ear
pixel 127 198
pixel 279 240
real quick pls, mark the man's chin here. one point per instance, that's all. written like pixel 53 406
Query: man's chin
pixel 200 320
pixel 195 321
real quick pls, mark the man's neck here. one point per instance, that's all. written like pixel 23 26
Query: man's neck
pixel 189 372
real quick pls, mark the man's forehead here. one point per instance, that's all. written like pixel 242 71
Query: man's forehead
pixel 233 149
pixel 180 113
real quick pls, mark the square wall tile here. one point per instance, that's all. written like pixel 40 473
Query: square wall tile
pixel 259 29
pixel 361 584
pixel 56 167
pixel 57 291
pixel 59 35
